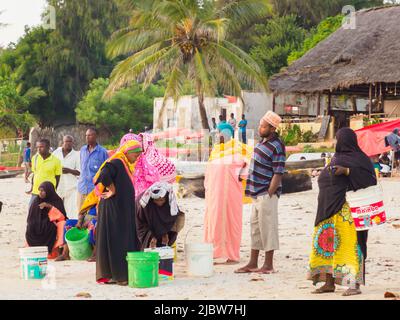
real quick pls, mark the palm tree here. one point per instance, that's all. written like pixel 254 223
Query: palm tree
pixel 187 40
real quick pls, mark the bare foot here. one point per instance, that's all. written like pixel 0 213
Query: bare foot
pixel 351 292
pixel 247 269
pixel 324 289
pixel 91 259
pixel 122 283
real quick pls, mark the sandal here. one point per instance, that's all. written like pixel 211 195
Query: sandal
pixel 106 281
pixel 62 258
pixel 91 259
pixel 321 290
pixel 245 270
pixel 351 292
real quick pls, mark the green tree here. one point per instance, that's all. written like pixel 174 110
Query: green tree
pixel 62 62
pixel 324 30
pixel 129 108
pixel 14 105
pixel 76 54
pixel 312 12
pixel 27 64
pixel 187 40
pixel 275 40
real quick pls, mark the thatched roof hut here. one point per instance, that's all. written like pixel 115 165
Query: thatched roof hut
pixel 350 60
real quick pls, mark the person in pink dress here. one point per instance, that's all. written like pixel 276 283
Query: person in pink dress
pixel 224 194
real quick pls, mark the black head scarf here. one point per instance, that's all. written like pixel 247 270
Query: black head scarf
pixel 332 189
pixel 40 231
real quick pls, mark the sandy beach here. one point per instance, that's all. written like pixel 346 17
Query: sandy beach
pixel 296 218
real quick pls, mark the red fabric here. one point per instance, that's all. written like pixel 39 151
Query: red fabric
pixel 231 99
pixel 371 139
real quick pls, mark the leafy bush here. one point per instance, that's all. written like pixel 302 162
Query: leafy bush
pixel 129 108
pixel 309 149
pixel 309 136
pixel 293 136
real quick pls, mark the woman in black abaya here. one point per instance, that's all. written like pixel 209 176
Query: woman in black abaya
pixel 116 228
pixel 339 251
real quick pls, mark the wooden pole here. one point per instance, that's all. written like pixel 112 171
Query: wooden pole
pixel 329 103
pixel 370 102
pixel 273 102
pixel 319 104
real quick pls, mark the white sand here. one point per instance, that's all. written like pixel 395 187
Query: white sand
pixel 296 216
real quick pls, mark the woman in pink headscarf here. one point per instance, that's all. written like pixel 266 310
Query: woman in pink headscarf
pixel 151 166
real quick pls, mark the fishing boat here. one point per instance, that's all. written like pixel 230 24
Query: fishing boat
pixel 10 172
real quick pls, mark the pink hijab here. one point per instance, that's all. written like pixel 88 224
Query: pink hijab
pixel 151 166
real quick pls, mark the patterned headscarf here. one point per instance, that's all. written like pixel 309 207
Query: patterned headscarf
pixel 151 166
pixel 129 137
pixel 159 190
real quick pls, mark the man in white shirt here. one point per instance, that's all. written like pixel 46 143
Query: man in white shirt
pixel 68 187
pixel 232 122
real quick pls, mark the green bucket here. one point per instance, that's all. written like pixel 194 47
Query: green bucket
pixel 78 243
pixel 143 269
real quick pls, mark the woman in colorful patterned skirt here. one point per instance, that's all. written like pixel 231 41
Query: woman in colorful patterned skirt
pixel 338 250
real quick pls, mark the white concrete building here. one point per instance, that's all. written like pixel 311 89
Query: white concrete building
pixel 185 113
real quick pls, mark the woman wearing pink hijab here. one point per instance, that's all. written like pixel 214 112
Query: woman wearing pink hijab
pixel 151 166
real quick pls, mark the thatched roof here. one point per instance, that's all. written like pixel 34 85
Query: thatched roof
pixel 368 54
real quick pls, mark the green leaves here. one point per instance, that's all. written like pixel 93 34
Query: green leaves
pixel 130 108
pixel 13 106
pixel 323 30
pixel 275 40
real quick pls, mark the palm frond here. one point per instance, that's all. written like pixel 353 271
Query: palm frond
pixel 135 40
pixel 242 13
pixel 217 28
pixel 34 94
pixel 202 74
pixel 129 69
pixel 243 55
pixel 242 68
pixel 173 90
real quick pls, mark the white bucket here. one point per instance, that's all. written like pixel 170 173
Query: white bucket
pixel 199 259
pixel 33 262
pixel 366 206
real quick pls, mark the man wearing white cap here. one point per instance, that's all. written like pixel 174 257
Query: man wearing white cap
pixel 264 185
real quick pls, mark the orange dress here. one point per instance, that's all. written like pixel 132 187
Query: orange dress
pixel 58 219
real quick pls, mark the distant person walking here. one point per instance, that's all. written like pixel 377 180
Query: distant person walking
pixel 264 184
pixel 68 187
pixel 92 156
pixel 242 129
pixel 214 123
pixel 27 161
pixel 45 167
pixel 232 121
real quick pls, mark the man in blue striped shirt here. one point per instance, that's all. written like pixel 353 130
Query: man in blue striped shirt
pixel 264 185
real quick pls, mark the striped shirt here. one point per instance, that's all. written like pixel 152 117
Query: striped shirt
pixel 268 159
